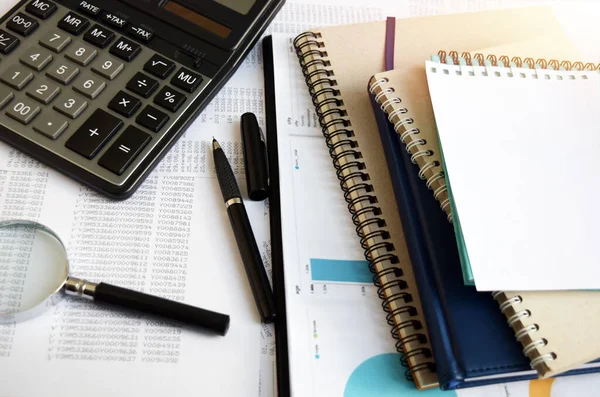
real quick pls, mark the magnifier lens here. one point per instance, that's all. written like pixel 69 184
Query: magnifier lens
pixel 33 266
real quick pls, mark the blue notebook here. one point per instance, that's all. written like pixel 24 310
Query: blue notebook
pixel 471 341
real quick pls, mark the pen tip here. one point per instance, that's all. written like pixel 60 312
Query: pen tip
pixel 216 144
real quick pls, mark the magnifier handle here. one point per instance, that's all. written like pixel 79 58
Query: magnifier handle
pixel 150 304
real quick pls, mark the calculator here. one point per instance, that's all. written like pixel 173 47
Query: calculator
pixel 100 90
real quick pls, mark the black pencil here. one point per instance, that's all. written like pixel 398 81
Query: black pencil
pixel 242 229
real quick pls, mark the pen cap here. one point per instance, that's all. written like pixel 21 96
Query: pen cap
pixel 255 158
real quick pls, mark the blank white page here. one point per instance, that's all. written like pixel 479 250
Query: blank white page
pixel 523 159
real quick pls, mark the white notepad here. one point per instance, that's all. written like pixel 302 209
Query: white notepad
pixel 522 151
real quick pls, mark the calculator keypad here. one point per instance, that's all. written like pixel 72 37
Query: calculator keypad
pixel 124 150
pixel 107 67
pixel 16 77
pixel 22 24
pixel 8 42
pixel 159 66
pixel 186 80
pixel 70 104
pixel 23 110
pixel 43 90
pixel 41 9
pixel 73 23
pixel 50 125
pixel 6 95
pixel 89 85
pixel 152 118
pixel 36 58
pixel 55 40
pixel 169 99
pixel 124 104
pixel 81 53
pixel 142 85
pixel 83 86
pixel 63 72
pixel 125 49
pixel 99 36
pixel 94 133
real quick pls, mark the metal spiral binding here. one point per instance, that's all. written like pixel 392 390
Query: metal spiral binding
pixel 360 196
pixel 504 60
pixel 515 319
pixel 415 146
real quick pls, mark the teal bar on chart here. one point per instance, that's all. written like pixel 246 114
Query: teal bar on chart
pixel 334 270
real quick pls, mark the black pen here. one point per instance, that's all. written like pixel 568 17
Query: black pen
pixel 242 229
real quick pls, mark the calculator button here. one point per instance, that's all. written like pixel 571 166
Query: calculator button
pixel 125 49
pixel 152 118
pixel 159 66
pixel 70 105
pixel 63 72
pixel 43 90
pixel 55 41
pixel 50 124
pixel 23 111
pixel 169 99
pixel 107 67
pixel 73 23
pixel 142 85
pixel 41 9
pixel 99 36
pixel 141 33
pixel 89 8
pixel 36 58
pixel 81 53
pixel 22 24
pixel 186 80
pixel 89 85
pixel 114 20
pixel 124 104
pixel 16 76
pixel 124 150
pixel 8 42
pixel 6 96
pixel 94 133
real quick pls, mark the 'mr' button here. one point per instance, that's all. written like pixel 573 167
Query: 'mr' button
pixel 73 23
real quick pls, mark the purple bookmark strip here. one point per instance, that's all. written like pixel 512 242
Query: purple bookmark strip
pixel 390 36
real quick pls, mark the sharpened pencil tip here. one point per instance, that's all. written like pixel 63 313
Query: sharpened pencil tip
pixel 216 144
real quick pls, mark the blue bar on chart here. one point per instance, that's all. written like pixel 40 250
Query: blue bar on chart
pixel 335 270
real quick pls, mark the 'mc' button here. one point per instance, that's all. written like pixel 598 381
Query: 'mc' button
pixel 186 80
pixel 41 9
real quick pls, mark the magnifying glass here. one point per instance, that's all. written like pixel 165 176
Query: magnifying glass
pixel 34 276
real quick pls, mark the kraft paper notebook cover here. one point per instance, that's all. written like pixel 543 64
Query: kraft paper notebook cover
pixel 338 63
pixel 364 180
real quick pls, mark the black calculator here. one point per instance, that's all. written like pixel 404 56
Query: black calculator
pixel 101 89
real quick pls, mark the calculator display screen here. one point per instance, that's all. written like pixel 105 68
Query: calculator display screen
pixel 199 19
pixel 241 6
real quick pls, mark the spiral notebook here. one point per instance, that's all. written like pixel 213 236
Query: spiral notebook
pixel 364 183
pixel 558 329
pixel 470 339
pixel 337 63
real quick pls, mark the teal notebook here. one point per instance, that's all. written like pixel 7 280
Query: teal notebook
pixel 460 242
